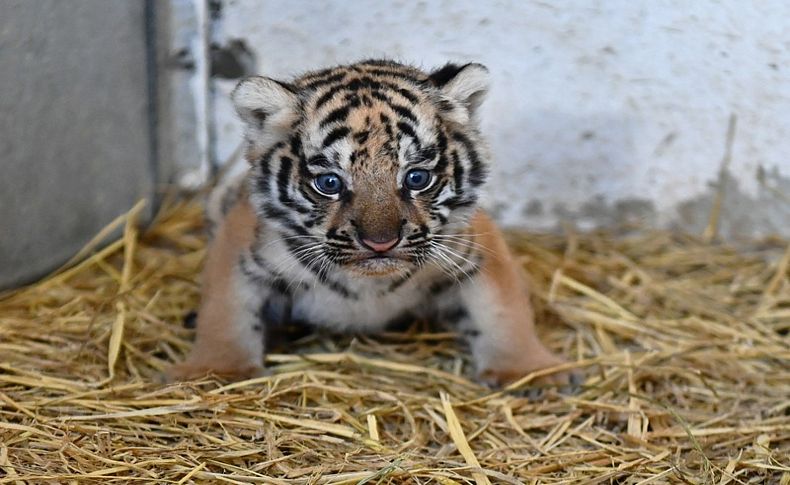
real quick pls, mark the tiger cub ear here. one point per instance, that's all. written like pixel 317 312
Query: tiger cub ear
pixel 464 86
pixel 264 103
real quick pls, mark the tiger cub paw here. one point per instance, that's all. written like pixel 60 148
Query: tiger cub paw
pixel 189 371
pixel 568 381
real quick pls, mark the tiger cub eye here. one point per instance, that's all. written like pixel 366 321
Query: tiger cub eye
pixel 328 183
pixel 417 179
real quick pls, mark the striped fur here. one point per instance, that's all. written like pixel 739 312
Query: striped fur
pixel 305 254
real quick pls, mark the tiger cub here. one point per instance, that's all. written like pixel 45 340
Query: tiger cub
pixel 358 209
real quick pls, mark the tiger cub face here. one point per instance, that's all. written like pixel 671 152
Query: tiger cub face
pixel 367 167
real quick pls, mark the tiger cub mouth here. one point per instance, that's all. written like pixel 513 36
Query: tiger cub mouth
pixel 378 265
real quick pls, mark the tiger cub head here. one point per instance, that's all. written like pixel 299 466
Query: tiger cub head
pixel 369 167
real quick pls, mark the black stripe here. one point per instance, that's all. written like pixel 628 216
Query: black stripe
pixel 454 315
pixel 401 110
pixel 360 154
pixel 421 234
pixel 275 312
pixel 283 179
pixel 296 146
pixel 339 114
pixel 441 165
pixel 297 121
pixel 381 97
pixel 458 171
pixel 262 182
pixel 329 94
pixel 361 137
pixel 353 85
pixel 441 286
pixel 407 129
pixel 276 283
pixel 457 202
pixel 446 106
pixel 427 154
pixel 401 323
pixel 333 234
pixel 251 276
pixel 366 82
pixel 441 142
pixel 282 216
pixel 400 75
pixel 304 172
pixel 352 98
pixel 385 120
pixel 335 135
pixel 436 190
pixel 283 182
pixel 441 146
pixel 340 246
pixel 333 78
pixel 404 112
pixel 334 116
pixel 400 281
pixel 477 172
pixel 259 261
pixel 314 220
pixel 264 160
pixel 346 196
pixel 411 97
pixel 308 193
pixel 319 161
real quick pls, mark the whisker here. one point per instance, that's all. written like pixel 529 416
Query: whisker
pixel 454 253
pixel 287 238
pixel 462 234
pixel 446 252
pixel 440 254
pixel 296 257
pixel 465 244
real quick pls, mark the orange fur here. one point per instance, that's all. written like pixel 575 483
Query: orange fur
pixel 218 348
pixel 518 349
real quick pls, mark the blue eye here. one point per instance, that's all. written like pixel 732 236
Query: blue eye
pixel 328 183
pixel 417 179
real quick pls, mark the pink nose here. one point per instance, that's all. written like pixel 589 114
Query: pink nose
pixel 380 247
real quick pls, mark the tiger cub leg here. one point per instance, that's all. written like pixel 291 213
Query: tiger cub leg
pixel 500 324
pixel 229 340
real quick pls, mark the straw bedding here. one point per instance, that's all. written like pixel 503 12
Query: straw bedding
pixel 683 345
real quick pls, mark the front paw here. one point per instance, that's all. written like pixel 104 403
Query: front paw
pixel 568 381
pixel 192 371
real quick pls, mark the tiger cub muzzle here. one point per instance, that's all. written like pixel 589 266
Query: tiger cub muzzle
pixel 379 221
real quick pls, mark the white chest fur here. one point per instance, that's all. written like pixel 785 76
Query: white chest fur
pixel 369 311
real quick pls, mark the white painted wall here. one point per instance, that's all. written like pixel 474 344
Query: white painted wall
pixel 599 110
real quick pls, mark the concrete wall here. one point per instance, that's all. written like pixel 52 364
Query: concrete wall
pixel 76 145
pixel 600 111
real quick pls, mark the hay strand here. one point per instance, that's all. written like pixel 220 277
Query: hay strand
pixel 683 344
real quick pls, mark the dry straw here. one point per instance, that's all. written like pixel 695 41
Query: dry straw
pixel 683 344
